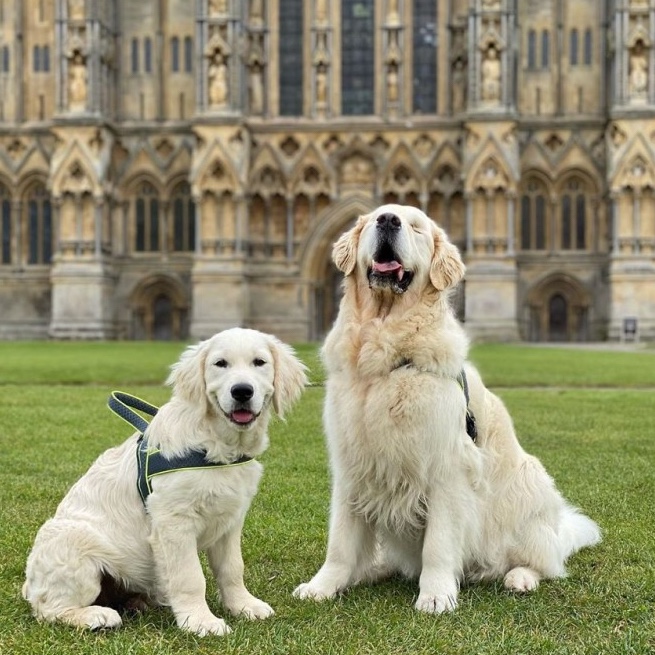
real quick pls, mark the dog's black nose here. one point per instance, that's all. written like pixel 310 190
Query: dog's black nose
pixel 242 392
pixel 388 221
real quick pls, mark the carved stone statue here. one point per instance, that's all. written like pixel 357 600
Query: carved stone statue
pixel 638 79
pixel 491 74
pixel 76 9
pixel 321 85
pixel 256 89
pixel 459 85
pixel 392 83
pixel 218 82
pixel 77 91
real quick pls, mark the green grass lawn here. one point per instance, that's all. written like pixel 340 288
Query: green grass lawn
pixel 587 415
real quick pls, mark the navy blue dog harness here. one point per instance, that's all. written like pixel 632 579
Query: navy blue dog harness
pixel 150 461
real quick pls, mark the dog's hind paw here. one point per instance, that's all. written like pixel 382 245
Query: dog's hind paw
pixel 93 617
pixel 436 603
pixel 521 579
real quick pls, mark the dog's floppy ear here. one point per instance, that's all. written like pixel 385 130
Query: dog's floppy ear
pixel 344 252
pixel 289 378
pixel 187 376
pixel 447 267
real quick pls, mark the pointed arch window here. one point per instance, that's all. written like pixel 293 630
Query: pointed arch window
pixel 147 55
pixel 532 49
pixel 573 218
pixel 587 47
pixel 545 49
pixel 175 54
pixel 533 216
pixel 5 59
pixel 573 47
pixel 135 55
pixel 184 226
pixel 5 216
pixel 38 221
pixel 425 56
pixel 291 57
pixel 147 219
pixel 357 57
pixel 188 54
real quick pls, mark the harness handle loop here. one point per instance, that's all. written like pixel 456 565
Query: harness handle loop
pixel 123 405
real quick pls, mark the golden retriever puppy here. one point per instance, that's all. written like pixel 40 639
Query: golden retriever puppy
pixel 412 492
pixel 104 536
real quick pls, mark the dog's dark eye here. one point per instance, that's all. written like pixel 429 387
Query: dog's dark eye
pixel 221 363
pixel 259 362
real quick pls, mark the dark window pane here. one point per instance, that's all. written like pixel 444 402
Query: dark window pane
pixel 191 228
pixel 154 225
pixel 140 225
pixel 188 54
pixel 5 59
pixel 566 223
pixel 175 55
pixel 587 47
pixel 135 55
pixel 36 58
pixel 47 232
pixel 357 57
pixel 580 222
pixel 291 57
pixel 178 224
pixel 545 49
pixel 525 223
pixel 147 55
pixel 6 232
pixel 46 59
pixel 540 223
pixel 573 54
pixel 33 231
pixel 532 49
pixel 425 56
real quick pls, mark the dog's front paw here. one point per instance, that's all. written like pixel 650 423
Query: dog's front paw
pixel 521 580
pixel 436 603
pixel 255 609
pixel 204 625
pixel 312 591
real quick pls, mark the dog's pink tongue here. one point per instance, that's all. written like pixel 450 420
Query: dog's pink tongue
pixel 242 416
pixel 386 267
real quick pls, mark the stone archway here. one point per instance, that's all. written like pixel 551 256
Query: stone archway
pixel 160 310
pixel 316 263
pixel 559 309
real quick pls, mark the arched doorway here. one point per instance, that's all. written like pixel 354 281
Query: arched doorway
pixel 160 310
pixel 557 309
pixel 317 266
pixel 558 318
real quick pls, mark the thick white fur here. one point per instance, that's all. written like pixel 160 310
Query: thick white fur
pixel 411 492
pixel 102 530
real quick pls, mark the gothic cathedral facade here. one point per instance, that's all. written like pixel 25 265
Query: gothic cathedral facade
pixel 169 168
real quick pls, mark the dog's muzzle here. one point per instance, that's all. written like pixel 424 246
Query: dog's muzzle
pixel 241 413
pixel 387 270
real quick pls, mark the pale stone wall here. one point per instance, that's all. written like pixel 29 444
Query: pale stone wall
pixel 113 136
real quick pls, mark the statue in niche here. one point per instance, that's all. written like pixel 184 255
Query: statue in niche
pixel 491 74
pixel 321 12
pixel 217 7
pixel 638 78
pixel 393 17
pixel 256 89
pixel 392 83
pixel 459 85
pixel 321 85
pixel 218 83
pixel 77 91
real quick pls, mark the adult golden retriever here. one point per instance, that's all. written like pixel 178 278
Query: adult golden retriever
pixel 412 492
pixel 102 537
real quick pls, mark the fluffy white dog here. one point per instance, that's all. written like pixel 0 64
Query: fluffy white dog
pixel 412 491
pixel 103 539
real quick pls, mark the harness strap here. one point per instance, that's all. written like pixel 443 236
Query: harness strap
pixel 471 427
pixel 150 462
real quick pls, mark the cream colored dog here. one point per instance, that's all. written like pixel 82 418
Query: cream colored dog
pixel 412 492
pixel 101 537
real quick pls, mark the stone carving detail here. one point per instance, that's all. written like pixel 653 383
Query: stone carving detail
pixel 638 73
pixel 218 80
pixel 77 82
pixel 76 9
pixel 491 74
pixel 321 59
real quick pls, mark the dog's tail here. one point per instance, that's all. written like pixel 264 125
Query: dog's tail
pixel 577 531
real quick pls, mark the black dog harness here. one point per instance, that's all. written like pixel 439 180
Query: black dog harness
pixel 150 461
